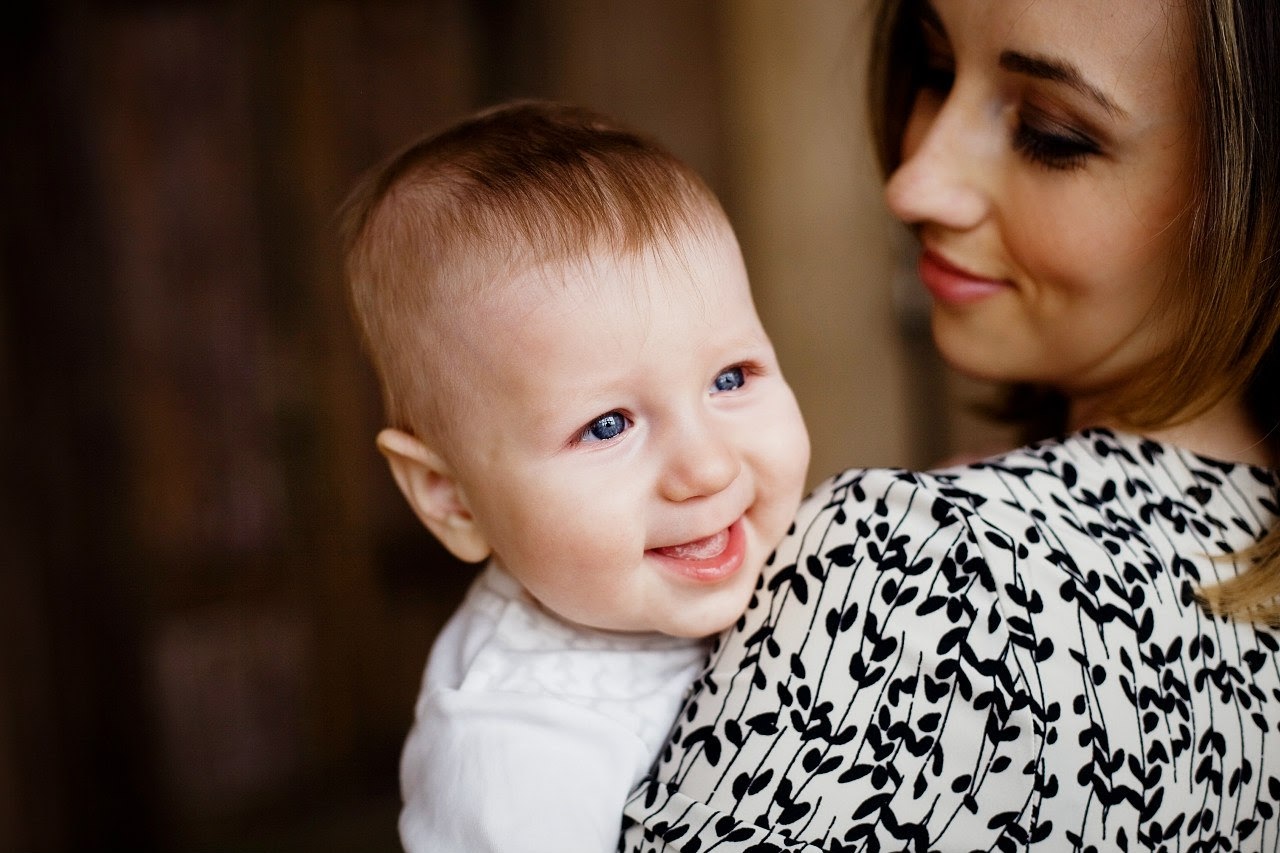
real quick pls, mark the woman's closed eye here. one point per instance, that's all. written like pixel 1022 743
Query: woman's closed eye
pixel 604 428
pixel 1052 144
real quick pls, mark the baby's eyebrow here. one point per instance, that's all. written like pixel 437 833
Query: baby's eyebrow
pixel 1058 71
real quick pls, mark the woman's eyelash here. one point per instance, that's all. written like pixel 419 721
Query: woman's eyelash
pixel 1062 150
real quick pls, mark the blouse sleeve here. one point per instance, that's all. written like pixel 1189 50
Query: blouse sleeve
pixel 872 696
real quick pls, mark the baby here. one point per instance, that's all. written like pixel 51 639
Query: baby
pixel 581 395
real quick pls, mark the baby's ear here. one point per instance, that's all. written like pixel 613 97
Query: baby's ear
pixel 436 497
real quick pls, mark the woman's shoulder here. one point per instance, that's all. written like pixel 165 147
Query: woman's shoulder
pixel 914 503
pixel 1097 526
pixel 1097 476
pixel 1053 464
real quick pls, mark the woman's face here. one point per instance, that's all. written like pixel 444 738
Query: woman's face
pixel 1045 167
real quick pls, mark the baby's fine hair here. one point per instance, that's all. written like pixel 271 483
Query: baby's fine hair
pixel 511 187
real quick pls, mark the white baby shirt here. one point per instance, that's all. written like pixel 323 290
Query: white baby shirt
pixel 529 732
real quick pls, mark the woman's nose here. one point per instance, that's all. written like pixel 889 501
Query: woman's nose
pixel 701 462
pixel 943 174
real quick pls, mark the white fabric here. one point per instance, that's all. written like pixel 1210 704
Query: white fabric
pixel 529 732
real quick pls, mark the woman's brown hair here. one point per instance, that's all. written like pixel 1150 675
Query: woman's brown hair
pixel 1228 291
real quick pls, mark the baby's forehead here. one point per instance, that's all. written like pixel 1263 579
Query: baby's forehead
pixel 693 277
pixel 685 259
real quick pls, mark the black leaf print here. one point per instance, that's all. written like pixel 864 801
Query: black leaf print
pixel 814 566
pixel 842 556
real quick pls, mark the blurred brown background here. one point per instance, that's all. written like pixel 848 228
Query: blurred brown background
pixel 214 609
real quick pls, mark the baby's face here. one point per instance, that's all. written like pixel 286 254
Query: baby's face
pixel 636 452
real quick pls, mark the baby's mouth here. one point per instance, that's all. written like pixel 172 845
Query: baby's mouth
pixel 699 549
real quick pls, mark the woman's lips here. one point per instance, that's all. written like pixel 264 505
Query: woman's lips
pixel 953 285
pixel 711 558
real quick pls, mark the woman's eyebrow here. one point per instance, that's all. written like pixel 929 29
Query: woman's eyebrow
pixel 1058 71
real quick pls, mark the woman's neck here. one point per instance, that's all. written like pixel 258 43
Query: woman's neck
pixel 1225 431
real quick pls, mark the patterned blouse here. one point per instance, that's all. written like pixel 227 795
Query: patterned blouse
pixel 1005 656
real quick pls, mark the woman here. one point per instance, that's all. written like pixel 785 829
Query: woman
pixel 1063 648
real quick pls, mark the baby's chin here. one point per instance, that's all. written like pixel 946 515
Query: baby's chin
pixel 715 618
pixel 677 611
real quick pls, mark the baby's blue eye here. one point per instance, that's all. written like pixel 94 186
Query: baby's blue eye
pixel 730 379
pixel 605 427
